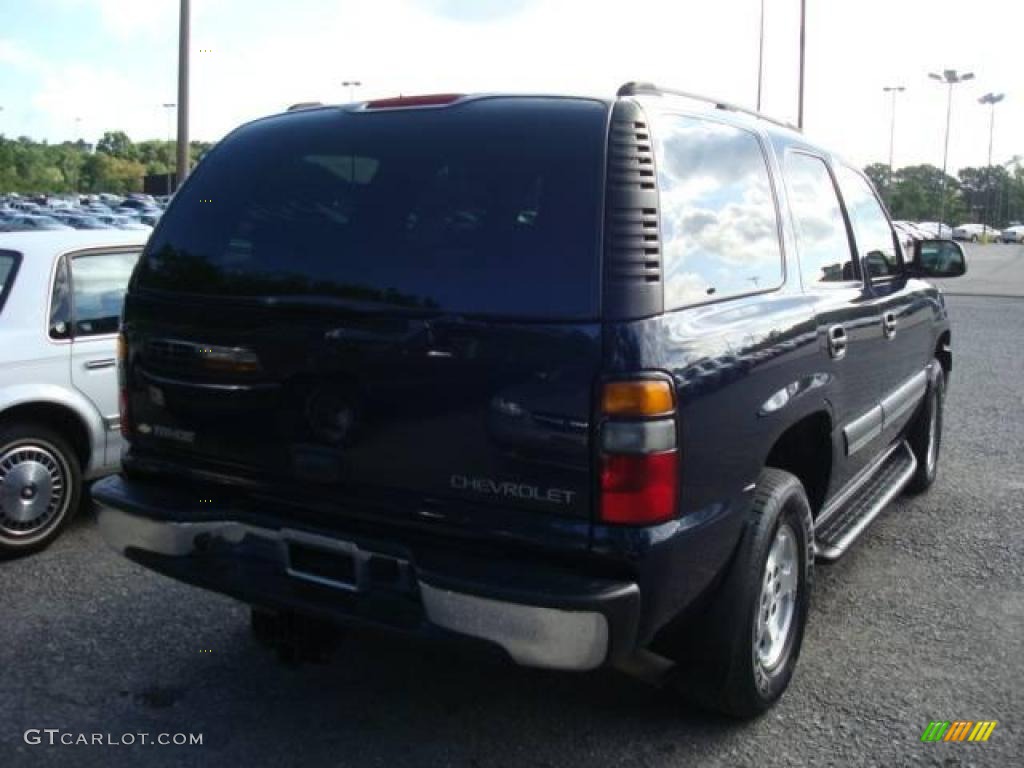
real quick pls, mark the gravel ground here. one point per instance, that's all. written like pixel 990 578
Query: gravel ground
pixel 923 620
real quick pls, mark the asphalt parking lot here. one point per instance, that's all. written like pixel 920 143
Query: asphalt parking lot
pixel 923 620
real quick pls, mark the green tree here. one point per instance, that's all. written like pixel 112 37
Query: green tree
pixel 117 144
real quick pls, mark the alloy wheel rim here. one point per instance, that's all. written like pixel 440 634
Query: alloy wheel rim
pixel 34 490
pixel 776 607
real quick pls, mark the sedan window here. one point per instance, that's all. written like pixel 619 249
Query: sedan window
pixel 98 284
pixel 8 268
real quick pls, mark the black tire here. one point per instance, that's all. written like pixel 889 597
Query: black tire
pixel 46 462
pixel 974 238
pixel 722 668
pixel 927 425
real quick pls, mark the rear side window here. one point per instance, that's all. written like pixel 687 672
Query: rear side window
pixel 825 254
pixel 718 215
pixel 488 207
pixel 875 241
pixel 8 269
pixel 98 283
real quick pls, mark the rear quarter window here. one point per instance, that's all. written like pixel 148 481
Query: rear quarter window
pixel 9 261
pixel 718 214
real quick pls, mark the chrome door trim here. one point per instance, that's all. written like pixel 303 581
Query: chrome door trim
pixel 863 430
pixel 904 397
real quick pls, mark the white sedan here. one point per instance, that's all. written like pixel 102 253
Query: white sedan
pixel 1013 234
pixel 975 232
pixel 60 305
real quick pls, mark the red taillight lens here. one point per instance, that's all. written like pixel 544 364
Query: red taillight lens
pixel 403 102
pixel 122 402
pixel 639 489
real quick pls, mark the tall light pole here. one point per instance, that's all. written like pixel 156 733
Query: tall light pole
pixel 183 39
pixel 991 99
pixel 760 58
pixel 892 90
pixel 351 85
pixel 169 106
pixel 949 77
pixel 803 56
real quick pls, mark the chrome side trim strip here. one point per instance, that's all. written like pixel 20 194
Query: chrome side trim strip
pixel 904 397
pixel 863 430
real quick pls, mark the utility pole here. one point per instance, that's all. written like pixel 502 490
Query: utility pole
pixel 990 99
pixel 892 90
pixel 949 77
pixel 183 143
pixel 351 85
pixel 803 52
pixel 169 106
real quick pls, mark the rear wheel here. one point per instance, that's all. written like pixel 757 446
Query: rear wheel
pixel 40 486
pixel 746 653
pixel 925 434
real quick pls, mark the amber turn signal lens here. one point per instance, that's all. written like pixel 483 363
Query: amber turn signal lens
pixel 636 398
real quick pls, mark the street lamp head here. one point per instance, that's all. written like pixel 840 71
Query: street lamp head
pixel 894 88
pixel 934 76
pixel 966 76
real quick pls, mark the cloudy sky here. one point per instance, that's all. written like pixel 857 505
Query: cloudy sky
pixel 71 68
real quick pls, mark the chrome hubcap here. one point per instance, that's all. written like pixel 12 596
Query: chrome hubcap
pixel 777 604
pixel 33 490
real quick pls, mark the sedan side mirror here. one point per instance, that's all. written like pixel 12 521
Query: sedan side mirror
pixel 938 258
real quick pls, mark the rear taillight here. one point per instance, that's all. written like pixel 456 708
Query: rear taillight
pixel 639 453
pixel 122 386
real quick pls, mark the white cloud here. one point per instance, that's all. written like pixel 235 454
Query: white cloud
pixel 266 56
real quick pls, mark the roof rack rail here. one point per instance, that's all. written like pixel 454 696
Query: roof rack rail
pixel 305 105
pixel 633 88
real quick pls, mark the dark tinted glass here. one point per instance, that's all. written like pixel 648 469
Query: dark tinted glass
pixel 875 242
pixel 489 207
pixel 60 302
pixel 98 284
pixel 8 261
pixel 718 213
pixel 825 255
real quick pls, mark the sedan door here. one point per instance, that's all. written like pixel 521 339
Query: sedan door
pixel 98 282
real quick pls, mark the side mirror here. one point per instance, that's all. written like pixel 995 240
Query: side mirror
pixel 939 258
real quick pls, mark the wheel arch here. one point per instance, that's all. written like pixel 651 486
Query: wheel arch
pixel 804 449
pixel 84 431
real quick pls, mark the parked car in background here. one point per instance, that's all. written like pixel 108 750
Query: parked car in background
pixel 975 232
pixel 909 234
pixel 936 229
pixel 81 220
pixel 570 397
pixel 60 302
pixel 1012 234
pixel 122 221
pixel 30 221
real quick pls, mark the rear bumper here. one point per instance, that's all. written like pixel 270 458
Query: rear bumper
pixel 542 617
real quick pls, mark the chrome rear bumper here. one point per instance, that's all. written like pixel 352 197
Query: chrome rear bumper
pixel 533 635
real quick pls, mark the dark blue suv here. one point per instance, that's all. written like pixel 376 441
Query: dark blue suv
pixel 593 381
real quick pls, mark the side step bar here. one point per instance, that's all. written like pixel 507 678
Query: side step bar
pixel 846 518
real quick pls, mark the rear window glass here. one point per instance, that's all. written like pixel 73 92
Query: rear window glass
pixel 8 267
pixel 489 207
